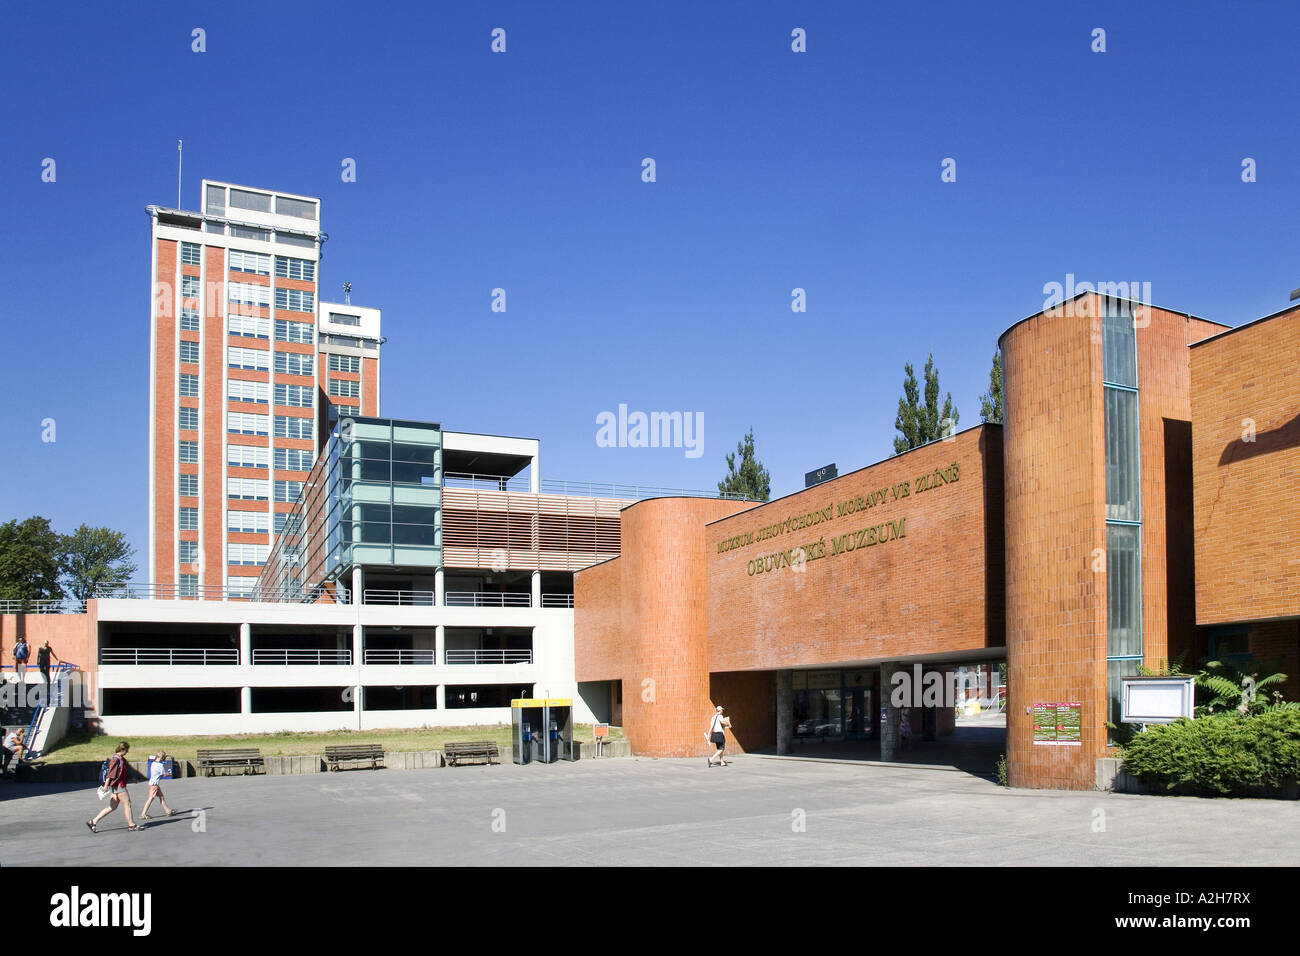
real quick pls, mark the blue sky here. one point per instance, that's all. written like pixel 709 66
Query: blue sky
pixel 522 170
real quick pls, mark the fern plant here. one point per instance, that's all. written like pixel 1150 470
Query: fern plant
pixel 1232 688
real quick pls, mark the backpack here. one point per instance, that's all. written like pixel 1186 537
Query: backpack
pixel 20 651
pixel 103 771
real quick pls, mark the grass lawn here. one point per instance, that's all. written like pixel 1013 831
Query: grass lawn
pixel 82 745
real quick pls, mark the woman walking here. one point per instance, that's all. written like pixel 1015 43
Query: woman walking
pixel 156 771
pixel 115 785
pixel 717 736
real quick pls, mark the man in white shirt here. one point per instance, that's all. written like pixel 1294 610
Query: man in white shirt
pixel 13 743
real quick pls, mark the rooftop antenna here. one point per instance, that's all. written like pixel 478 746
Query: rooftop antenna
pixel 347 293
pixel 180 157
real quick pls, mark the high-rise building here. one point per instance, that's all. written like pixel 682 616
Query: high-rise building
pixel 244 363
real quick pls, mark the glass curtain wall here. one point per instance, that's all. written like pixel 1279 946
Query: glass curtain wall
pixel 1123 499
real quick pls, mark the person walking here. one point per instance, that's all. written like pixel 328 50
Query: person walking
pixel 115 786
pixel 43 655
pixel 717 735
pixel 156 771
pixel 21 653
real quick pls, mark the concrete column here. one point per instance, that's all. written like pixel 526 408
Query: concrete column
pixel 245 644
pixel 245 700
pixel 439 595
pixel 358 645
pixel 439 651
pixel 891 715
pixel 358 584
pixel 930 715
pixel 534 476
pixel 784 711
pixel 441 701
pixel 537 588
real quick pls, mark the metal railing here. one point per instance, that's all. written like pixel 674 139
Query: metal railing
pixel 375 655
pixel 488 599
pixel 168 655
pixel 578 489
pixel 216 592
pixel 557 600
pixel 41 607
pixel 397 598
pixel 310 656
pixel 489 657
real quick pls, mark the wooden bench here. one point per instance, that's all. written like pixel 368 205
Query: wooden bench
pixel 358 754
pixel 245 760
pixel 454 752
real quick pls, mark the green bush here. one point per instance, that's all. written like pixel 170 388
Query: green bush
pixel 1227 753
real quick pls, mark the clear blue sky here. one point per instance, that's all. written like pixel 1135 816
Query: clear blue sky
pixel 775 170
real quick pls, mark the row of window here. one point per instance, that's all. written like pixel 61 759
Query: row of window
pixel 249 423
pixel 190 352
pixel 345 363
pixel 344 389
pixel 256 456
pixel 295 300
pixel 247 293
pixel 190 253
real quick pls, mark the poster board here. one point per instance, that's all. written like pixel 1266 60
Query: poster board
pixel 1058 724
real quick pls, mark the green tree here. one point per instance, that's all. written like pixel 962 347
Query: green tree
pixel 30 555
pixel 918 423
pixel 751 479
pixel 991 401
pixel 94 558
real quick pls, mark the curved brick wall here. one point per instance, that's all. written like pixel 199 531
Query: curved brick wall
pixel 641 618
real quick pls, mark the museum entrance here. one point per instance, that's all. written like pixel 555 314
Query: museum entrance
pixel 836 704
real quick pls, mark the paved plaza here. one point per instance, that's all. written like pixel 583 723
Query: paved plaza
pixel 642 812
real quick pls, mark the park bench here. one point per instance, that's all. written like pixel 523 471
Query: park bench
pixel 358 754
pixel 245 760
pixel 454 752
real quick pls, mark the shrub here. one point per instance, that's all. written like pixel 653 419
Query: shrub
pixel 1003 778
pixel 1227 753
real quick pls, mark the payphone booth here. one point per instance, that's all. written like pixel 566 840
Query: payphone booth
pixel 527 718
pixel 559 729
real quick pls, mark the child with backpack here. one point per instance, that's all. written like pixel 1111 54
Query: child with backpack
pixel 116 772
pixel 156 770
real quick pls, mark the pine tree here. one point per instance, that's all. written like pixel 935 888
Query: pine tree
pixel 751 480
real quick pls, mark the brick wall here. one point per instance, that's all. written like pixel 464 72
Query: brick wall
pixel 1247 506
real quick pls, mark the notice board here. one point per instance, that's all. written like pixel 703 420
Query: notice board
pixel 1058 724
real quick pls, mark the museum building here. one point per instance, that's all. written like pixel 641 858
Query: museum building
pixel 1135 508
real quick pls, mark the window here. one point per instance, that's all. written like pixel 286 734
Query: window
pixel 238 390
pixel 1119 343
pixel 189 452
pixel 281 517
pixel 288 490
pixel 189 385
pixel 215 201
pixel 246 293
pixel 251 359
pixel 189 319
pixel 243 232
pixel 287 268
pixel 246 456
pixel 298 208
pixel 246 522
pixel 187 519
pixel 293 459
pixel 190 253
pixel 348 410
pixel 246 554
pixel 293 363
pixel 187 418
pixel 190 352
pixel 345 389
pixel 286 331
pixel 253 262
pixel 187 552
pixel 295 300
pixel 246 489
pixel 289 239
pixel 298 396
pixel 339 318
pixel 191 287
pixel 287 426
pixel 250 326
pixel 241 586
pixel 244 199
pixel 345 363
pixel 187 486
pixel 188 585
pixel 1123 495
pixel 246 423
